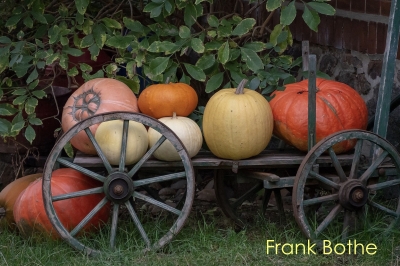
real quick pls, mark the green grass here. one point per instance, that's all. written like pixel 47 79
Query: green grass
pixel 205 240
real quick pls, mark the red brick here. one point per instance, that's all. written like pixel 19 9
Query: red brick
pixel 358 6
pixel 385 7
pixel 381 32
pixel 371 39
pixel 373 7
pixel 338 33
pixel 343 4
pixel 348 33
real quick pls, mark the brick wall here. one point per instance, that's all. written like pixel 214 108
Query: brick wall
pixel 358 25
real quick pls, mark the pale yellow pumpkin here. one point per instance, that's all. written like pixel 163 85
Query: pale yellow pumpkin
pixel 237 123
pixel 186 130
pixel 109 137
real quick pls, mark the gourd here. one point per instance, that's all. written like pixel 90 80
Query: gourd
pixel 338 107
pixel 186 130
pixel 237 123
pixel 29 212
pixel 161 100
pixel 109 138
pixel 96 96
pixel 9 195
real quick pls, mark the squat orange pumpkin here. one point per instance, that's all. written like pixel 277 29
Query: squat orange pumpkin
pixel 162 100
pixel 338 107
pixel 29 213
pixel 96 96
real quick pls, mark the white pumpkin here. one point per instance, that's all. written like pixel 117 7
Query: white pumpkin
pixel 187 131
pixel 109 138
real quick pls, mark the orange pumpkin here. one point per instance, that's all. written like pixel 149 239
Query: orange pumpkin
pixel 96 96
pixel 338 107
pixel 29 213
pixel 9 195
pixel 162 100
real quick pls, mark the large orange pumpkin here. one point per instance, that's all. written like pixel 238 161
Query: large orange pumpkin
pixel 9 195
pixel 96 96
pixel 29 213
pixel 338 107
pixel 162 100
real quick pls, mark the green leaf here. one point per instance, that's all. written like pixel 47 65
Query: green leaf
pixel 273 4
pixel 73 72
pixel 206 61
pixel 85 67
pixel 288 14
pixel 184 32
pixel 311 18
pixel 72 51
pixel 5 39
pixel 275 34
pixel 213 21
pixel 253 61
pixel 119 42
pixel 7 109
pixel 322 8
pixel 19 92
pixel 134 85
pixel 30 134
pixel 13 20
pixel 99 35
pixel 112 23
pixel 39 94
pixel 130 69
pixel 28 22
pixel 133 25
pixel 190 15
pixel 195 72
pixel 214 82
pixel 165 46
pixel 33 84
pixel 81 6
pixel 87 41
pixel 255 46
pixel 223 53
pixel 18 126
pixel 155 9
pixel 35 121
pixel 39 17
pixel 19 100
pixel 32 76
pixel 5 126
pixel 30 105
pixel 3 63
pixel 158 65
pixel 244 26
pixel 197 45
pixel 69 150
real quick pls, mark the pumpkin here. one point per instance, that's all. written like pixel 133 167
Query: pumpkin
pixel 109 138
pixel 29 212
pixel 237 123
pixel 9 195
pixel 96 96
pixel 161 100
pixel 338 107
pixel 186 130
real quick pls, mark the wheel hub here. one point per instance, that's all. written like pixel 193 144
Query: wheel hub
pixel 353 195
pixel 118 187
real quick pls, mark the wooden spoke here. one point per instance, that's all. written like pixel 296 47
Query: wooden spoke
pixel 100 153
pixel 328 219
pixel 382 185
pixel 88 217
pixel 138 224
pixel 383 208
pixel 356 159
pixel 81 169
pixel 124 145
pixel 146 156
pixel 336 164
pixel 346 225
pixel 156 202
pixel 147 181
pixel 78 194
pixel 325 180
pixel 319 200
pixel 114 222
pixel 373 166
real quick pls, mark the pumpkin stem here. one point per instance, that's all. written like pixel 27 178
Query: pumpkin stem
pixel 2 212
pixel 167 80
pixel 240 87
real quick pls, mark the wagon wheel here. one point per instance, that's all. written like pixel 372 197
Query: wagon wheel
pixel 231 194
pixel 122 190
pixel 357 197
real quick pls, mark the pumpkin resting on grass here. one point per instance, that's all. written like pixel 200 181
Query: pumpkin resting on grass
pixel 9 195
pixel 96 96
pixel 338 107
pixel 237 123
pixel 30 215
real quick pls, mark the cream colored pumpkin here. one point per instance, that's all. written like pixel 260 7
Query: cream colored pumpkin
pixel 187 131
pixel 109 137
pixel 237 123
